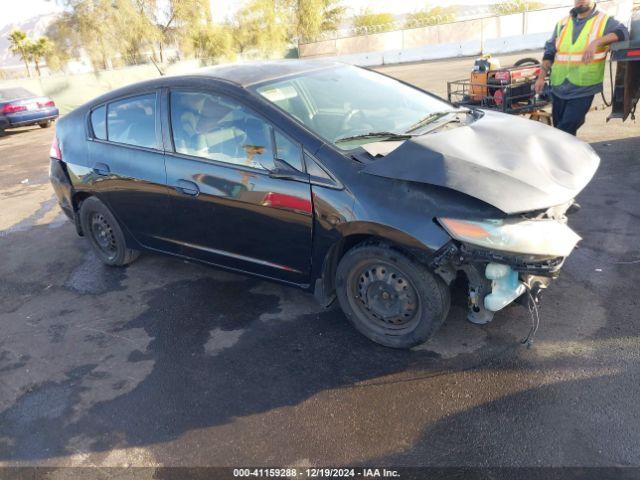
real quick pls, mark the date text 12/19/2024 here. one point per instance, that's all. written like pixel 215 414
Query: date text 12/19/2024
pixel 315 472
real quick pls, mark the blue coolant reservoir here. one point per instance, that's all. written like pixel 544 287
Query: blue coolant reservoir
pixel 505 286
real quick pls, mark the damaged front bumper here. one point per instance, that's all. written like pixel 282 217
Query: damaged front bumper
pixel 496 279
pixel 506 260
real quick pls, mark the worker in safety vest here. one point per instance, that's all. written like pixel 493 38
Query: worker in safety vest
pixel 577 50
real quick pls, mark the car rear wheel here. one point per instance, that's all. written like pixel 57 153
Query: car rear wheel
pixel 105 234
pixel 389 298
pixel 46 124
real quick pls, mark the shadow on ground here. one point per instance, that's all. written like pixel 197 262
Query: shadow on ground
pixel 221 350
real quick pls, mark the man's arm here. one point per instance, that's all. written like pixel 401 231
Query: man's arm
pixel 614 32
pixel 547 61
pixel 545 68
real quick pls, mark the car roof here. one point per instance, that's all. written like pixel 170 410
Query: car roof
pixel 251 73
pixel 240 75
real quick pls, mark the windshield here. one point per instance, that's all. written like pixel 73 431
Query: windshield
pixel 350 106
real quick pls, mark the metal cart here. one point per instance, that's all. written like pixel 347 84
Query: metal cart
pixel 507 90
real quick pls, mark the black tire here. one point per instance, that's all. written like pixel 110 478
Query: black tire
pixel 389 298
pixel 46 124
pixel 105 234
pixel 527 61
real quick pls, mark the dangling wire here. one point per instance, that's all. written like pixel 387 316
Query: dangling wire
pixel 535 321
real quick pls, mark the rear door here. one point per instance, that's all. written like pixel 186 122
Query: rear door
pixel 227 207
pixel 127 164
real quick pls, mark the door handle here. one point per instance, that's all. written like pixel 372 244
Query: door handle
pixel 187 187
pixel 101 169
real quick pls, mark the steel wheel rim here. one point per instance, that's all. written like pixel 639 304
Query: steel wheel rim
pixel 103 236
pixel 385 296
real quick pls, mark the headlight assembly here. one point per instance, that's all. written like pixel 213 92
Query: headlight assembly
pixel 545 237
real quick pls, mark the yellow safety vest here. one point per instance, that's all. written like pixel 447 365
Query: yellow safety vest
pixel 568 62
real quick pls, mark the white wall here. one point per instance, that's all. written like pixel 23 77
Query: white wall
pixel 494 35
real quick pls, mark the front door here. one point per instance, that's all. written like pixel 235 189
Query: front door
pixel 226 207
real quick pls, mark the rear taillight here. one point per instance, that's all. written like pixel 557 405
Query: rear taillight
pixel 54 151
pixel 12 108
pixel 48 103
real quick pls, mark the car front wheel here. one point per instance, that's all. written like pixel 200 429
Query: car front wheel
pixel 46 124
pixel 389 298
pixel 105 234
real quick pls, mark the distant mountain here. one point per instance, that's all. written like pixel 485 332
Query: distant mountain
pixel 34 27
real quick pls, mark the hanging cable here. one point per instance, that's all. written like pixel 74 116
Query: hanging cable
pixel 535 321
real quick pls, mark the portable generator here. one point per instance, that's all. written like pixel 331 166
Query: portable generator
pixel 508 89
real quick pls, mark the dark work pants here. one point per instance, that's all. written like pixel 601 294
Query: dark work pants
pixel 569 115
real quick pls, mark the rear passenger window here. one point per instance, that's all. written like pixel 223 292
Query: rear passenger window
pixel 288 151
pixel 99 122
pixel 133 121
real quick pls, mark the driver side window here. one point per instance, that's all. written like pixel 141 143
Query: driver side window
pixel 218 128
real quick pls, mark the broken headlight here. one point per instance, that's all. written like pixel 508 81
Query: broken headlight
pixel 545 237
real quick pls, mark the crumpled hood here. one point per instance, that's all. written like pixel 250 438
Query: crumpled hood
pixel 512 163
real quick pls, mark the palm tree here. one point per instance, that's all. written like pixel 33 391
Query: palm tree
pixel 19 44
pixel 38 50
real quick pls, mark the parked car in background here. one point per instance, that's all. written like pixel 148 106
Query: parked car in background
pixel 328 177
pixel 20 108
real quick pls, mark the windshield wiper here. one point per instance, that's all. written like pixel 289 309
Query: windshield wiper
pixel 432 117
pixel 388 135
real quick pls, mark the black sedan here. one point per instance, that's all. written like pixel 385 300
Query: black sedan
pixel 20 108
pixel 327 177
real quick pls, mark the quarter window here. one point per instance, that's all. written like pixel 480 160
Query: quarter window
pixel 99 122
pixel 315 170
pixel 217 128
pixel 133 121
pixel 288 151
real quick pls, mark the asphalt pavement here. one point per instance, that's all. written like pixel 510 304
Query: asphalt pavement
pixel 170 363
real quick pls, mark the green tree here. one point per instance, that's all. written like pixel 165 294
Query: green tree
pixel 179 20
pixel 20 45
pixel 516 6
pixel 429 16
pixel 312 18
pixel 261 25
pixel 213 42
pixel 62 45
pixel 108 31
pixel 137 32
pixel 368 22
pixel 39 50
pixel 89 26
